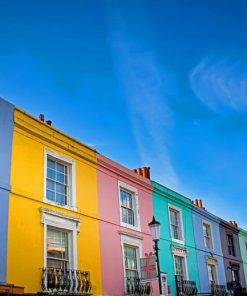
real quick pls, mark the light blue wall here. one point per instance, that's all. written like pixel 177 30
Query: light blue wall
pixel 162 198
pixel 6 134
pixel 200 215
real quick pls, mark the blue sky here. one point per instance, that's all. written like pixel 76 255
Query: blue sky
pixel 157 83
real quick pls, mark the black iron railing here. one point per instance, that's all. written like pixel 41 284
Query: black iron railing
pixel 185 287
pixel 218 290
pixel 236 289
pixel 134 286
pixel 66 281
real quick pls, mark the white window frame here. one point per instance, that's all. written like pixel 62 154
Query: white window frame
pixel 71 178
pixel 182 241
pixel 62 222
pixel 186 277
pixel 211 234
pixel 233 275
pixel 63 261
pixel 216 273
pixel 211 260
pixel 134 191
pixel 132 241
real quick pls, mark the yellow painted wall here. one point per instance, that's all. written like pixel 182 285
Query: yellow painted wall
pixel 25 237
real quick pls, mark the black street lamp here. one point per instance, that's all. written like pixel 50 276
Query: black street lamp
pixel 154 227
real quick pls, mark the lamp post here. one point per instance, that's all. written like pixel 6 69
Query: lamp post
pixel 154 227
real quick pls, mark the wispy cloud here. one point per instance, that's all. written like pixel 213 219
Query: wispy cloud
pixel 147 88
pixel 221 84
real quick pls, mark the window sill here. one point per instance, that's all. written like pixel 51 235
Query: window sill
pixel 130 226
pixel 67 207
pixel 209 249
pixel 182 242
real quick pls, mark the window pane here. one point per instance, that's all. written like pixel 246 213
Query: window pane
pixel 51 174
pixel 128 216
pixel 50 195
pixel 231 249
pixel 124 198
pixel 50 185
pixel 179 265
pixel 130 260
pixel 60 167
pixel 207 235
pixel 57 248
pixel 127 207
pixel 176 231
pixel 60 198
pixel 51 164
pixel 61 188
pixel 56 183
pixel 212 274
pixel 131 273
pixel 57 263
pixel 124 215
pixel 60 177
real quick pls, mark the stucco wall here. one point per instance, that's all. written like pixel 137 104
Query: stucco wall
pixel 26 232
pixel 200 216
pixel 225 229
pixel 242 235
pixel 6 134
pixel 162 198
pixel 109 174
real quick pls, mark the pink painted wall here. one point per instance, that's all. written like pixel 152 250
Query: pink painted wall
pixel 109 173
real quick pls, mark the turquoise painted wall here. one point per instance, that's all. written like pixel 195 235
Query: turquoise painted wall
pixel 162 198
pixel 242 235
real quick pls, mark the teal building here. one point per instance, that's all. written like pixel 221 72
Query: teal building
pixel 177 254
pixel 242 236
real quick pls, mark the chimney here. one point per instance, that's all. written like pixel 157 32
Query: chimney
pixel 42 117
pixel 49 122
pixel 198 203
pixel 233 223
pixel 145 172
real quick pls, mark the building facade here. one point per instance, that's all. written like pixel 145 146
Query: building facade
pixel 231 253
pixel 73 221
pixel 177 242
pixel 53 230
pixel 125 209
pixel 208 249
pixel 6 134
pixel 242 236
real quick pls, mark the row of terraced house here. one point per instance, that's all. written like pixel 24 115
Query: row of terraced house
pixel 73 221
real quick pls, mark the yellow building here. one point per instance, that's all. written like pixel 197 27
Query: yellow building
pixel 53 229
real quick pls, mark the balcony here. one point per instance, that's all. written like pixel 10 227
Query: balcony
pixel 56 280
pixel 134 286
pixel 185 287
pixel 218 290
pixel 236 289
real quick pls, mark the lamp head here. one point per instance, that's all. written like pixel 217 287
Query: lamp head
pixel 154 227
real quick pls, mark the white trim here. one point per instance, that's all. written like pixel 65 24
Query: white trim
pixel 71 178
pixel 132 242
pixel 134 191
pixel 64 222
pixel 130 234
pixel 181 222
pixel 185 263
pixel 211 234
pixel 210 260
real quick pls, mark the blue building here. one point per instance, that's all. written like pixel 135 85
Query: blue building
pixel 6 131
pixel 208 248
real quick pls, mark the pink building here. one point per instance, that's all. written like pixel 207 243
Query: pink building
pixel 125 209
